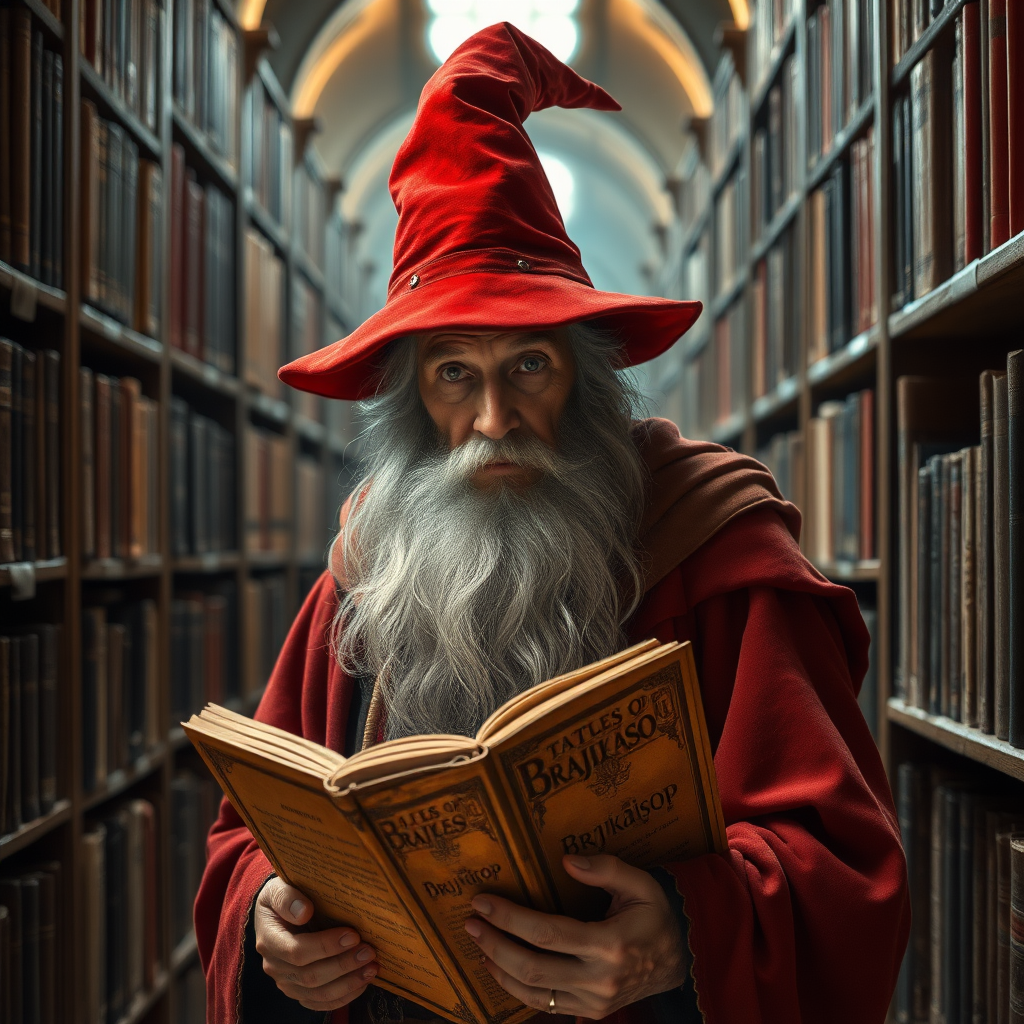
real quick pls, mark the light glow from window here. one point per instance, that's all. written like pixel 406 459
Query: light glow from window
pixel 550 22
pixel 563 184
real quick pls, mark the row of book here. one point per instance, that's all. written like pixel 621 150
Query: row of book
pixel 843 300
pixel 839 509
pixel 120 685
pixel 31 939
pixel 269 485
pixel 122 41
pixel 775 159
pixel 119 430
pixel 730 232
pixel 32 172
pixel 840 38
pixel 311 213
pixel 965 864
pixel 28 724
pixel 264 298
pixel 122 202
pixel 202 456
pixel 121 951
pixel 30 472
pixel 204 645
pixel 313 518
pixel 267 160
pixel 202 304
pixel 728 119
pixel 784 456
pixel 715 379
pixel 205 73
pixel 775 311
pixel 769 21
pixel 307 336
pixel 961 651
pixel 266 620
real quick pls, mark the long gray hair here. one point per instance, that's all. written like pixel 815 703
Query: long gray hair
pixel 457 598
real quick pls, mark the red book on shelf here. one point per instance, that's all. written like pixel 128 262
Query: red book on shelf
pixel 973 185
pixel 175 306
pixel 1015 111
pixel 998 132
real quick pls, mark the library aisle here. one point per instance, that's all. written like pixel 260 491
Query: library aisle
pixel 194 192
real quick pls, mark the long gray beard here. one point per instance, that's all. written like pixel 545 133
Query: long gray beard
pixel 459 598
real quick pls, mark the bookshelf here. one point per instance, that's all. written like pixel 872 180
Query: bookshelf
pixel 213 565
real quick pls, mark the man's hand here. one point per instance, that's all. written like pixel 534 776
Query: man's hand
pixel 593 969
pixel 322 970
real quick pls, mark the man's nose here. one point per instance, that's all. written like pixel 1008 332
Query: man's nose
pixel 496 414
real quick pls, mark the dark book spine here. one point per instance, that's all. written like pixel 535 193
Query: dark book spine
pixel 57 194
pixel 17 452
pixel 1003 881
pixel 43 182
pixel 5 133
pixel 6 727
pixel 29 456
pixel 980 919
pixel 35 190
pixel 50 516
pixel 952 619
pixel 29 668
pixel 1015 515
pixel 6 453
pixel 937 978
pixel 986 572
pixel 49 645
pixel 21 136
pixel 31 1009
pixel 1017 928
pixel 11 898
pixel 1001 556
pixel 116 918
pixel 912 992
pixel 14 815
pixel 950 889
pixel 970 458
pixel 928 698
pixel 962 1012
pixel 935 646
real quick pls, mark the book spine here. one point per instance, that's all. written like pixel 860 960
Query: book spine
pixel 999 143
pixel 17 450
pixel 57 192
pixel 21 135
pixel 49 640
pixel 29 679
pixel 968 586
pixel 964 952
pixel 51 462
pixel 986 570
pixel 1001 556
pixel 1015 113
pixel 1003 882
pixel 6 452
pixel 959 151
pixel 37 171
pixel 952 619
pixel 6 728
pixel 926 688
pixel 5 133
pixel 29 456
pixel 973 182
pixel 936 972
pixel 1015 543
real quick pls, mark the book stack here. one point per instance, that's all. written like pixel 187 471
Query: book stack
pixel 775 309
pixel 121 201
pixel 202 457
pixel 784 456
pixel 122 42
pixel 202 308
pixel 28 724
pixel 268 157
pixel 313 521
pixel 120 683
pixel 121 951
pixel 264 298
pixel 32 175
pixel 842 244
pixel 203 639
pixel 205 73
pixel 960 509
pixel 31 964
pixel 731 237
pixel 268 488
pixel 266 620
pixel 840 34
pixel 774 161
pixel 307 336
pixel 770 19
pixel 30 469
pixel 958 836
pixel 728 119
pixel 194 803
pixel 840 510
pixel 119 424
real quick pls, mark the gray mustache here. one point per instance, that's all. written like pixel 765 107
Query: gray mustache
pixel 524 450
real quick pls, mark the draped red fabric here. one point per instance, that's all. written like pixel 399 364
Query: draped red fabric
pixel 807 918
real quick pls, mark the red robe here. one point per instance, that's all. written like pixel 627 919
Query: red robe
pixel 807 918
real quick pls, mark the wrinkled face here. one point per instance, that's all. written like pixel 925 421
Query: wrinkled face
pixel 495 384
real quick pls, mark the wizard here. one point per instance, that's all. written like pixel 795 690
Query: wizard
pixel 517 520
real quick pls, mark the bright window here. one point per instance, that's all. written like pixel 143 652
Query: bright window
pixel 562 184
pixel 551 22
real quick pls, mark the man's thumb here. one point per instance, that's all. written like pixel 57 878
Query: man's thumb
pixel 287 902
pixel 611 874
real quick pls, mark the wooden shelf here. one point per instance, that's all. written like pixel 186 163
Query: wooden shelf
pixel 833 366
pixel 841 143
pixel 122 568
pixel 864 571
pixel 924 43
pixel 27 295
pixel 45 17
pixel 780 51
pixel 117 338
pixel 782 219
pixel 33 831
pixel 310 430
pixel 205 374
pixel 96 89
pixel 961 739
pixel 309 270
pixel 42 572
pixel 781 401
pixel 201 150
pixel 117 782
pixel 269 408
pixel 728 166
pixel 726 298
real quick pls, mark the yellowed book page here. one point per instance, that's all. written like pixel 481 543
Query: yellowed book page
pixel 447 835
pixel 622 765
pixel 315 842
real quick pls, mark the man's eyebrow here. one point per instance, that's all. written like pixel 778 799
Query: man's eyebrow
pixel 453 349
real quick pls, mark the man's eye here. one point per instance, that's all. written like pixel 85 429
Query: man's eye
pixel 531 364
pixel 452 373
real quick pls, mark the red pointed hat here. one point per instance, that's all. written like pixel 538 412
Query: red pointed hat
pixel 480 242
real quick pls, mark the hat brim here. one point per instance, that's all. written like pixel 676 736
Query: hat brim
pixel 492 301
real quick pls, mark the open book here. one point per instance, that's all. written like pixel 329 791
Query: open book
pixel 396 840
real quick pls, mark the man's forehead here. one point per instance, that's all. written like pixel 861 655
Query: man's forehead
pixel 440 344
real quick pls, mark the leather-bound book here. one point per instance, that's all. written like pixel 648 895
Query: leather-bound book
pixel 11 898
pixel 952 622
pixel 6 728
pixel 86 387
pixel 998 126
pixel 50 975
pixel 30 949
pixel 951 932
pixel 959 145
pixel 938 601
pixel 28 669
pixel 199 483
pixel 176 300
pixel 5 133
pixel 151 896
pixel 909 252
pixel 913 790
pixel 900 291
pixel 17 451
pixel 115 865
pixel 94 682
pixel 26 481
pixel 147 292
pixel 57 190
pixel 94 944
pixel 134 901
pixel 20 152
pixel 1003 881
pixel 14 815
pixel 117 738
pixel 923 689
pixel 6 452
pixel 1015 516
pixel 36 159
pixel 5 966
pixel 866 484
pixel 133 472
pixel 49 655
pixel 969 459
pixel 118 471
pixel 152 666
pixel 41 457
pixel 1015 112
pixel 980 917
pixel 90 201
pixel 178 435
pixel 43 180
pixel 129 247
pixel 103 475
pixel 49 514
pixel 132 683
pixel 930 92
pixel 1001 557
pixel 972 99
pixel 1016 929
pixel 986 569
pixel 193 269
